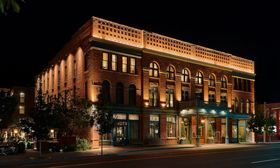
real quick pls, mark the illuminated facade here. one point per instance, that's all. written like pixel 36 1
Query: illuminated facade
pixel 273 110
pixel 155 85
pixel 25 103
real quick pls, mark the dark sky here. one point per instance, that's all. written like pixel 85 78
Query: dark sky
pixel 251 30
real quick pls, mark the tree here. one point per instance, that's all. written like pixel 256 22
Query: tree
pixel 256 122
pixel 62 113
pixel 103 118
pixel 7 5
pixel 260 124
pixel 8 105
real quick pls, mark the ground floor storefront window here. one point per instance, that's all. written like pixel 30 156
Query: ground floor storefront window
pixel 171 126
pixel 242 130
pixel 126 129
pixel 154 127
pixel 234 131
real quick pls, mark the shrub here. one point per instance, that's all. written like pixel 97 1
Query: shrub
pixel 82 145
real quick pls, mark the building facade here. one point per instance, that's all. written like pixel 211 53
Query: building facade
pixel 161 90
pixel 25 102
pixel 273 110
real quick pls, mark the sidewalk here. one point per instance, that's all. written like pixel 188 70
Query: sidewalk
pixel 34 156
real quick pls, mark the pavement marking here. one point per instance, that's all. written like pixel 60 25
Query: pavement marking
pixel 262 161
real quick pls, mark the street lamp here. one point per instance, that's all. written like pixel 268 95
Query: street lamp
pixel 197 126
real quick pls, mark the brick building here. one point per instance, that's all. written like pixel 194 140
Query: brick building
pixel 272 109
pixel 25 103
pixel 158 87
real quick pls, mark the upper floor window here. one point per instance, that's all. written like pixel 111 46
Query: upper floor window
pixel 21 97
pixel 132 94
pixel 249 86
pixel 154 70
pixel 170 73
pixel 132 65
pixel 185 77
pixel 223 82
pixel 170 96
pixel 184 94
pixel 106 91
pixel 236 104
pixel 114 62
pixel 241 106
pixel 21 110
pixel 153 94
pixel 85 62
pixel 124 64
pixel 119 93
pixel 211 80
pixel 105 60
pixel 198 78
pixel 247 106
pixel 211 97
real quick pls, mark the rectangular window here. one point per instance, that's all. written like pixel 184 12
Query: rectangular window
pixel 171 126
pixel 223 99
pixel 153 94
pixel 235 84
pixel 184 94
pixel 85 62
pixel 132 65
pixel 21 110
pixel 22 97
pixel 124 64
pixel 211 97
pixel 154 127
pixel 114 62
pixel 170 97
pixel 105 61
pixel 249 86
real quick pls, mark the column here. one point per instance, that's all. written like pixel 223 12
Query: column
pixel 227 139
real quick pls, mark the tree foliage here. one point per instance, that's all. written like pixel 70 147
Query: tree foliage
pixel 103 117
pixel 7 5
pixel 258 122
pixel 8 105
pixel 61 114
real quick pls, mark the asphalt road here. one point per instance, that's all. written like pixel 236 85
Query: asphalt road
pixel 260 156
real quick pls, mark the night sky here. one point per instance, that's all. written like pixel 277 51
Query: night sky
pixel 31 38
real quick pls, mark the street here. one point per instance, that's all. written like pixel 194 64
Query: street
pixel 266 155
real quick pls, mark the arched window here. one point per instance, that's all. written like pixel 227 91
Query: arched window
pixel 185 77
pixel 106 91
pixel 223 82
pixel 119 93
pixel 241 106
pixel 198 78
pixel 211 80
pixel 132 94
pixel 170 73
pixel 247 106
pixel 154 70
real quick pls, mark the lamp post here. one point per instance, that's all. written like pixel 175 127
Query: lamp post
pixel 197 126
